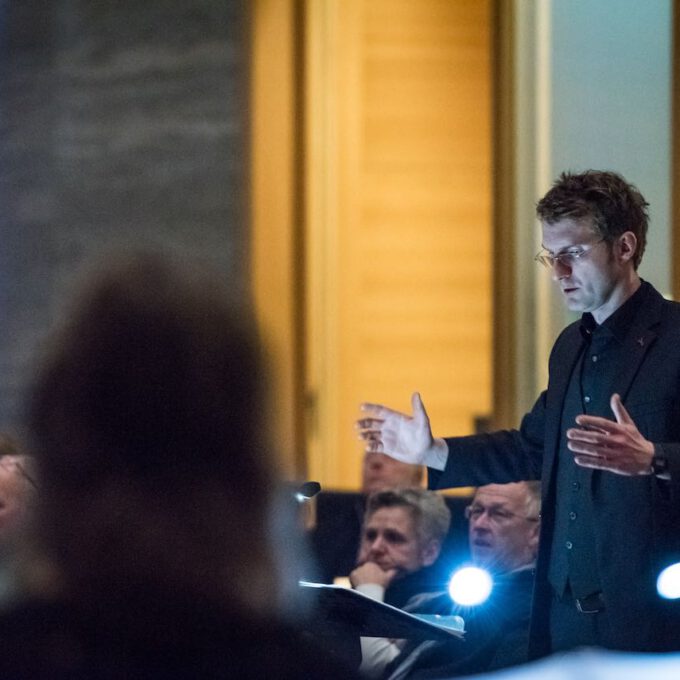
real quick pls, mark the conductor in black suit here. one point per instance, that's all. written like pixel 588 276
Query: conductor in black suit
pixel 604 436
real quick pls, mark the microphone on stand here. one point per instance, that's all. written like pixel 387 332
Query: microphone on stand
pixel 306 491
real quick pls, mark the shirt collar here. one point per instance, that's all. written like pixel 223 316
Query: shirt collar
pixel 618 323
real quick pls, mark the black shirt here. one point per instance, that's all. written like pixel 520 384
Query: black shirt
pixel 574 563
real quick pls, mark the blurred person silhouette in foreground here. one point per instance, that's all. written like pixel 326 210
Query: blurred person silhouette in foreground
pixel 153 554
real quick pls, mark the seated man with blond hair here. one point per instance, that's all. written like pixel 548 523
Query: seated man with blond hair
pixel 338 516
pixel 401 540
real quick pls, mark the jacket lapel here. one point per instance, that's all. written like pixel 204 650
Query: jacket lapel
pixel 566 354
pixel 638 340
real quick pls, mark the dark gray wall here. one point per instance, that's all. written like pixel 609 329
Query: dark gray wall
pixel 121 121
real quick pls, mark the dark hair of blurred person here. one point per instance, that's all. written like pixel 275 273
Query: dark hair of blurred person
pixel 144 418
pixel 156 486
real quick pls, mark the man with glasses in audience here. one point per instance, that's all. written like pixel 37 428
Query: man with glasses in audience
pixel 604 437
pixel 504 526
pixel 503 536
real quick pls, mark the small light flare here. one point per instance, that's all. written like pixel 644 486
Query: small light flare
pixel 470 586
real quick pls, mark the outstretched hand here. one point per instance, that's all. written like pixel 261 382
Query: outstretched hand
pixel 612 445
pixel 406 438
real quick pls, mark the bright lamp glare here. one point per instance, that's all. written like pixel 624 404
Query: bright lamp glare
pixel 470 586
pixel 668 583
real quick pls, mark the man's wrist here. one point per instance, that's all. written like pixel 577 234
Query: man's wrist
pixel 659 466
pixel 436 456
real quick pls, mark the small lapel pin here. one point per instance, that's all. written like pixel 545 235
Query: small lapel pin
pixel 641 342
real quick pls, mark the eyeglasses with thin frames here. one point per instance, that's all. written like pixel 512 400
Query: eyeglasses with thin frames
pixel 496 515
pixel 566 257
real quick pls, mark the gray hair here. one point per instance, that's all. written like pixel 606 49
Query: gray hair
pixel 430 513
pixel 533 498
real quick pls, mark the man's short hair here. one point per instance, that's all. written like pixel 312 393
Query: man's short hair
pixel 615 205
pixel 533 498
pixel 430 513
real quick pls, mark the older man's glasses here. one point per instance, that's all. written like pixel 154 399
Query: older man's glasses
pixel 567 257
pixel 496 514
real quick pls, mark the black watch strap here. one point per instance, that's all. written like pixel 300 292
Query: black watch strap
pixel 659 466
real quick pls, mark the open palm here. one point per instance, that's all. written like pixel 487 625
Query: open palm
pixel 402 436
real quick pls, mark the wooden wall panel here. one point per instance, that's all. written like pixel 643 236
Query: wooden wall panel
pixel 275 261
pixel 407 251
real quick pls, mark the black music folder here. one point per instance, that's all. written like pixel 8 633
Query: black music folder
pixel 344 611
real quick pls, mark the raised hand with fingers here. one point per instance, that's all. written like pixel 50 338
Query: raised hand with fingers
pixel 612 445
pixel 402 436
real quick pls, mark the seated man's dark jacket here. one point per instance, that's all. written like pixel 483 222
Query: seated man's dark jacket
pixel 404 589
pixel 496 633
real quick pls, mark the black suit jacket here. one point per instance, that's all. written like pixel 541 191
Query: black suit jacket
pixel 649 384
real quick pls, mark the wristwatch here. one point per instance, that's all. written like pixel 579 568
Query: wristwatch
pixel 659 466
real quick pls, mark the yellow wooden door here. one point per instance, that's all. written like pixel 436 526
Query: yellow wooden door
pixel 398 217
pixel 372 174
